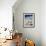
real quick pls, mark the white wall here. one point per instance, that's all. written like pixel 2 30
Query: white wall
pixel 32 6
pixel 6 13
pixel 43 22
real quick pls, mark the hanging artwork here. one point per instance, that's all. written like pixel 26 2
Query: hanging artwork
pixel 29 20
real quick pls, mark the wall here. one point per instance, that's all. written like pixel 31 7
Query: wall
pixel 43 22
pixel 6 13
pixel 28 6
pixel 6 16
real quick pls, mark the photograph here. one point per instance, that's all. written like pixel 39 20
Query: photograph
pixel 29 20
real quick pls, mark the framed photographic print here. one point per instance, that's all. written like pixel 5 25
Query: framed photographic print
pixel 29 20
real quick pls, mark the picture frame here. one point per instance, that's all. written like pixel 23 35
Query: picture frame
pixel 28 20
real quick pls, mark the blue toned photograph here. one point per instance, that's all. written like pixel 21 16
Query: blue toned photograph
pixel 29 20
